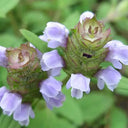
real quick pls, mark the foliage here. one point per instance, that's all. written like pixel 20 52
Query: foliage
pixel 20 19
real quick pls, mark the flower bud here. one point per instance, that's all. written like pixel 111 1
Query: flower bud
pixel 24 71
pixel 84 52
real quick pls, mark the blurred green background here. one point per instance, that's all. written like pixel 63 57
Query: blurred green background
pixel 99 109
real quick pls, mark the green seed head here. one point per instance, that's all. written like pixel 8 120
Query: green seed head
pixel 24 71
pixel 84 52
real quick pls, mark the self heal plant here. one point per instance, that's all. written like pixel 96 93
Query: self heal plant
pixel 88 46
pixel 27 83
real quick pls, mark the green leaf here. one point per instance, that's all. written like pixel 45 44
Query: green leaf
pixel 122 87
pixel 10 40
pixel 36 20
pixel 103 10
pixel 62 76
pixel 62 4
pixel 8 122
pixel 121 24
pixel 35 40
pixel 47 119
pixel 72 20
pixel 71 110
pixel 3 77
pixel 118 118
pixel 43 5
pixel 6 6
pixel 122 8
pixel 95 104
pixel 105 64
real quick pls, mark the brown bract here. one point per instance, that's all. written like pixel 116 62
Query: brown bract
pixel 92 30
pixel 20 57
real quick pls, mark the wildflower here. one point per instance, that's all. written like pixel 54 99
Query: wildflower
pixel 86 15
pixel 79 84
pixel 110 76
pixel 118 53
pixel 3 58
pixel 22 114
pixel 3 90
pixel 51 91
pixel 24 77
pixel 10 102
pixel 52 62
pixel 55 34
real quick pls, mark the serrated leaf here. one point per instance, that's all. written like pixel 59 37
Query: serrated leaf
pixel 6 6
pixel 47 119
pixel 35 40
pixel 95 104
pixel 118 118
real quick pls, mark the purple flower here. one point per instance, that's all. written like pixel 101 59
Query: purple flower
pixel 52 62
pixel 118 53
pixel 3 90
pixel 3 58
pixel 22 114
pixel 51 91
pixel 10 102
pixel 55 34
pixel 79 84
pixel 110 76
pixel 85 15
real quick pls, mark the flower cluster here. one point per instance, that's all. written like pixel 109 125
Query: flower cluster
pixel 31 73
pixel 27 81
pixel 86 48
pixel 11 103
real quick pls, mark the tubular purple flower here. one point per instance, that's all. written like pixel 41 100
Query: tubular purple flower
pixel 55 34
pixel 118 53
pixel 51 91
pixel 3 90
pixel 22 114
pixel 79 84
pixel 110 76
pixel 3 58
pixel 86 14
pixel 10 102
pixel 52 62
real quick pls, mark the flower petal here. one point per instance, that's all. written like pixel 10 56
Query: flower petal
pixel 76 93
pixel 3 90
pixel 3 58
pixel 118 52
pixel 22 114
pixel 50 87
pixel 55 34
pixel 100 84
pixel 54 72
pixel 86 14
pixel 54 101
pixel 10 102
pixel 78 81
pixel 110 76
pixel 52 62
